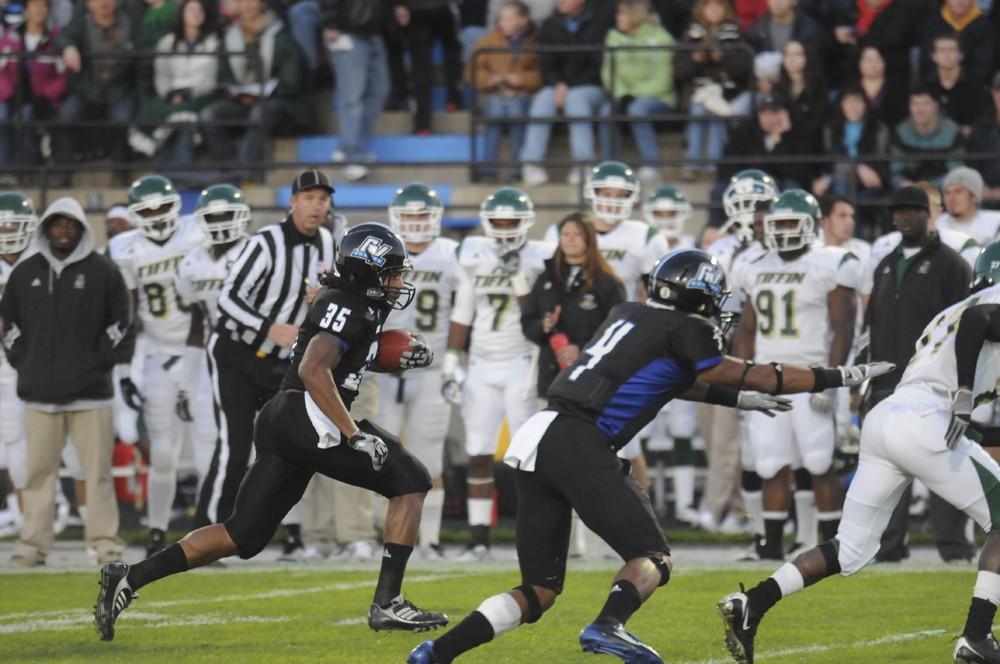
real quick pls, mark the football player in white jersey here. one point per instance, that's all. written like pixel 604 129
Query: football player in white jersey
pixel 148 257
pixel 17 226
pixel 224 217
pixel 917 432
pixel 494 272
pixel 414 401
pixel 800 308
pixel 668 210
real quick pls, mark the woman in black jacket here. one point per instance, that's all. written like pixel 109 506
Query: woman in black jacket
pixel 570 300
pixel 854 132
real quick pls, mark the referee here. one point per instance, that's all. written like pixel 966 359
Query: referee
pixel 261 305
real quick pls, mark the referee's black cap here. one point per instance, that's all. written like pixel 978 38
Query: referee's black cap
pixel 311 179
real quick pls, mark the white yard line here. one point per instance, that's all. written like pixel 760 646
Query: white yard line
pixel 76 619
pixel 805 650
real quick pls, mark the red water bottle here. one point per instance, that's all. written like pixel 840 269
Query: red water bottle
pixel 557 342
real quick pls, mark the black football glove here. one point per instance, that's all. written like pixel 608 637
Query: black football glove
pixel 130 393
pixel 371 445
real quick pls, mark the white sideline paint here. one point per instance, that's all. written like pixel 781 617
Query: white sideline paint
pixel 805 650
pixel 76 619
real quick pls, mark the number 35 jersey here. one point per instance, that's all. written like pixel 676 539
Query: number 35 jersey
pixel 435 278
pixel 149 267
pixel 932 373
pixel 789 298
pixel 642 356
pixel 485 298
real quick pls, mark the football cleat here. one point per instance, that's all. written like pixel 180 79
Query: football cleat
pixel 114 597
pixel 614 640
pixel 403 615
pixel 740 621
pixel 984 651
pixel 474 553
pixel 423 654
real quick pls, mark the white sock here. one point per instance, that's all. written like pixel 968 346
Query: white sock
pixel 430 517
pixel 683 488
pixel 805 519
pixel 789 579
pixel 480 511
pixel 987 587
pixel 162 487
pixel 754 503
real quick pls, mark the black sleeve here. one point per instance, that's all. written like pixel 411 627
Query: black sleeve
pixel 10 320
pixel 120 327
pixel 699 343
pixel 979 324
pixel 532 313
pixel 343 318
pixel 957 285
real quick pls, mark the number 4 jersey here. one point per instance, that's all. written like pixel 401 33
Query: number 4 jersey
pixel 643 356
pixel 149 267
pixel 485 298
pixel 789 298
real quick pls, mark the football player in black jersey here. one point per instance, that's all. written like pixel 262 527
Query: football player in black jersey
pixel 644 355
pixel 307 428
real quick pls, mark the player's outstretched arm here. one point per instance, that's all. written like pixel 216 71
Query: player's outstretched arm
pixel 776 378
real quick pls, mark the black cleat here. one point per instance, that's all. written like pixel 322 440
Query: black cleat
pixel 403 615
pixel 114 597
pixel 984 651
pixel 740 621
pixel 157 542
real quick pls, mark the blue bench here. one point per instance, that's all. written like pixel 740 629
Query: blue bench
pixel 350 196
pixel 395 149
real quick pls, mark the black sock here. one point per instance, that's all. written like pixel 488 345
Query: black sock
pixel 390 577
pixel 293 531
pixel 480 535
pixel 774 535
pixel 764 595
pixel 980 620
pixel 623 601
pixel 828 529
pixel 165 562
pixel 473 631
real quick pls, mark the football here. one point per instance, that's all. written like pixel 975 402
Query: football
pixel 391 346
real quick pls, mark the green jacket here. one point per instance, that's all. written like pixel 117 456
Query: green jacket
pixel 120 73
pixel 640 73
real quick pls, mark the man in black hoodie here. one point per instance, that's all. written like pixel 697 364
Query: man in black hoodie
pixel 66 322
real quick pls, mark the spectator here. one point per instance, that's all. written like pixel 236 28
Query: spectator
pixel 894 27
pixel 96 49
pixel 506 81
pixel 975 34
pixel 265 90
pixel 963 195
pixel 962 100
pixel 30 89
pixel 749 12
pixel 158 20
pixel 572 84
pixel 570 299
pixel 770 133
pixel 985 139
pixel 918 279
pixel 720 78
pixel 856 133
pixel 932 139
pixel 886 96
pixel 352 32
pixel 785 22
pixel 87 294
pixel 424 22
pixel 186 80
pixel 640 83
pixel 801 83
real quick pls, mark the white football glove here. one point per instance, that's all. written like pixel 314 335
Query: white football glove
pixel 822 402
pixel 763 403
pixel 419 356
pixel 856 375
pixel 961 416
pixel 371 445
pixel 452 378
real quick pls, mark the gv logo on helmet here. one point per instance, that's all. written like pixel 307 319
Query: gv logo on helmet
pixel 372 249
pixel 708 278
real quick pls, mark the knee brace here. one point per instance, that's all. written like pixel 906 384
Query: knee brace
pixel 662 566
pixel 830 550
pixel 534 604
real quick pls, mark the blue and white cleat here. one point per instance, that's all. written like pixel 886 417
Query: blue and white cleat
pixel 423 654
pixel 614 640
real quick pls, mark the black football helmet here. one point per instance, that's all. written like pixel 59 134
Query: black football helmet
pixel 369 256
pixel 689 280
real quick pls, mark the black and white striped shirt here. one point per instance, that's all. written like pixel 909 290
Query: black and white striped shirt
pixel 267 283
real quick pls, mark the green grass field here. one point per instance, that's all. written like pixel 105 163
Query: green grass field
pixel 315 615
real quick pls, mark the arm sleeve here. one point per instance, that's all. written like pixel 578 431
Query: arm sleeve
pixel 464 311
pixel 251 268
pixel 699 343
pixel 978 324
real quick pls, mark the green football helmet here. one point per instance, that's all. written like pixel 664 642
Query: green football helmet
pixel 223 213
pixel 986 273
pixel 504 205
pixel 668 209
pixel 747 191
pixel 17 222
pixel 154 205
pixel 795 205
pixel 616 176
pixel 415 213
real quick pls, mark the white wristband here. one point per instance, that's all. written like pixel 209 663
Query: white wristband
pixel 451 361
